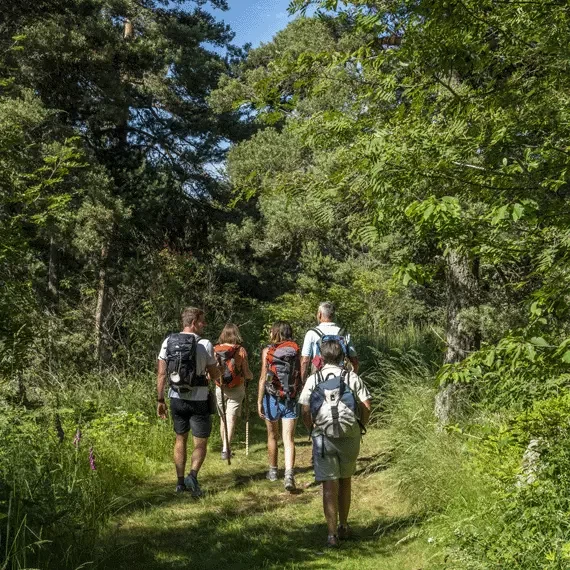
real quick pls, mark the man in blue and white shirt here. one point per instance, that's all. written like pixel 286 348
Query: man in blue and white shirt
pixel 326 326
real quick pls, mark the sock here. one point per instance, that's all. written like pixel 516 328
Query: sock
pixel 181 480
pixel 194 474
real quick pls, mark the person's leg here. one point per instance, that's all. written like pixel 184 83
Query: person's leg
pixel 330 505
pixel 272 442
pixel 231 429
pixel 201 425
pixel 198 453
pixel 220 408
pixel 234 400
pixel 344 496
pixel 289 443
pixel 180 453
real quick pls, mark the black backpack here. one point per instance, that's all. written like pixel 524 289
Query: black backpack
pixel 181 362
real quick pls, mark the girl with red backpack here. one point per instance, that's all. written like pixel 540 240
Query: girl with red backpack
pixel 279 386
pixel 230 388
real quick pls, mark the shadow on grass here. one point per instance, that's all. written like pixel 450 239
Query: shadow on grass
pixel 209 541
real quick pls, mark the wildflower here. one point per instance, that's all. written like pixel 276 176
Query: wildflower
pixel 77 437
pixel 92 459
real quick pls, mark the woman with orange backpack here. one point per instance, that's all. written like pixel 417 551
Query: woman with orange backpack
pixel 230 388
pixel 279 387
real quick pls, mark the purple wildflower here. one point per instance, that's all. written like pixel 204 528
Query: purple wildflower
pixel 92 459
pixel 77 437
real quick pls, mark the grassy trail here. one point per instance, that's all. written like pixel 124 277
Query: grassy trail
pixel 246 521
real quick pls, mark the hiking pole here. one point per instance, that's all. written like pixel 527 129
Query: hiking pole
pixel 246 421
pixel 225 421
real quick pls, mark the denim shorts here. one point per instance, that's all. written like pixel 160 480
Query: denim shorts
pixel 276 409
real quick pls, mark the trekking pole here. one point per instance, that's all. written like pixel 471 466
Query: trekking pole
pixel 225 421
pixel 246 421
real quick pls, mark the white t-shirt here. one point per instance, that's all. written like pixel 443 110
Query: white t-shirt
pixel 354 382
pixel 204 357
pixel 312 338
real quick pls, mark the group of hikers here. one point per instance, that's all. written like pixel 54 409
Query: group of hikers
pixel 320 380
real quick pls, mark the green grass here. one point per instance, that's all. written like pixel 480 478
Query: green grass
pixel 248 522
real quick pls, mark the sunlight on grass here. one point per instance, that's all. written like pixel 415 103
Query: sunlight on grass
pixel 246 521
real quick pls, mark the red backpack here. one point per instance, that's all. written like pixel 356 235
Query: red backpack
pixel 283 369
pixel 229 359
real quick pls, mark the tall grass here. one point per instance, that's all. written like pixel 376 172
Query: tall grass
pixel 67 462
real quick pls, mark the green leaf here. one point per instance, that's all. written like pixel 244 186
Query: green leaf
pixel 518 210
pixel 539 341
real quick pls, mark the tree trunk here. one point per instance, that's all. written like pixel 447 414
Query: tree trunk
pixel 101 312
pixel 462 276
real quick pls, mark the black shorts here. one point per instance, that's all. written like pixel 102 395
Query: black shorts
pixel 191 415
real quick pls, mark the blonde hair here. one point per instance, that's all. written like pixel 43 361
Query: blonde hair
pixel 280 331
pixel 230 335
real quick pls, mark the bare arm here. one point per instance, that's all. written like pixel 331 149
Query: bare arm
pixel 307 419
pixel 354 362
pixel 213 372
pixel 261 385
pixel 160 385
pixel 245 365
pixel 305 361
pixel 365 409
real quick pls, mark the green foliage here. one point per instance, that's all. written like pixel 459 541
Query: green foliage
pixel 50 496
pixel 516 372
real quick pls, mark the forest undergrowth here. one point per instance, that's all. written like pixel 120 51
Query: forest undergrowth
pixel 87 480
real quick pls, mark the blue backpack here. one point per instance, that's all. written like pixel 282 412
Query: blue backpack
pixel 339 337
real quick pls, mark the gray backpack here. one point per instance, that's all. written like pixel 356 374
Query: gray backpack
pixel 333 405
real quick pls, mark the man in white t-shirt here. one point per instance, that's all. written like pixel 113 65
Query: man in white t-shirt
pixel 189 409
pixel 326 326
pixel 334 458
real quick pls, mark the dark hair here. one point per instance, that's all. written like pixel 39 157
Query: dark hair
pixel 191 314
pixel 230 335
pixel 331 351
pixel 280 331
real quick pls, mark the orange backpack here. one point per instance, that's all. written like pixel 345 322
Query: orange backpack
pixel 229 359
pixel 283 370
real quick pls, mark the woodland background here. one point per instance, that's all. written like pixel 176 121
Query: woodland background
pixel 408 160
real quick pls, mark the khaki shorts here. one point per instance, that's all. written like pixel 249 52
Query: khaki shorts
pixel 234 397
pixel 335 458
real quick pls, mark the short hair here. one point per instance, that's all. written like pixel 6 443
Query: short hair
pixel 280 331
pixel 327 309
pixel 230 335
pixel 331 351
pixel 191 314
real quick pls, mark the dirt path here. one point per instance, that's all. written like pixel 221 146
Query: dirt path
pixel 246 521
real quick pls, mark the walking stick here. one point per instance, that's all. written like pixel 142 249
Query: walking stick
pixel 225 421
pixel 246 421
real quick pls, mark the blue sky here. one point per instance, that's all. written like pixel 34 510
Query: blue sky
pixel 255 21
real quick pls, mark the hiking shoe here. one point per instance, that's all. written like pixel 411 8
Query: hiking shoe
pixel 192 485
pixel 180 488
pixel 225 454
pixel 344 532
pixel 290 481
pixel 332 541
pixel 272 474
